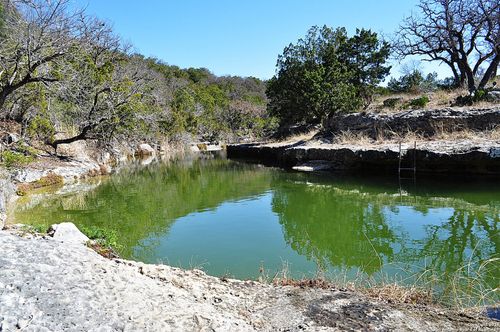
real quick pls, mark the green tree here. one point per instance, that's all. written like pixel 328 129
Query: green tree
pixel 326 72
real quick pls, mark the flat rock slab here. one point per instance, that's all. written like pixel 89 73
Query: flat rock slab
pixel 313 166
pixel 49 285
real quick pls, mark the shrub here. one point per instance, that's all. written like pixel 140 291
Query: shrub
pixel 415 82
pixel 391 102
pixel 469 100
pixel 26 149
pixel 419 102
pixel 102 236
pixel 11 158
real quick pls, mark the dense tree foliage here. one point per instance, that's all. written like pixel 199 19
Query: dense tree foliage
pixel 326 72
pixel 65 76
pixel 416 82
pixel 463 34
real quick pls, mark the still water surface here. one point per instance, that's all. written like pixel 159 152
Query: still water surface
pixel 232 218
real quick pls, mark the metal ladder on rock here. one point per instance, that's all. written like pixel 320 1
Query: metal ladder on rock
pixel 409 169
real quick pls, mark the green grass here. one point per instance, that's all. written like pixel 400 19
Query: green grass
pixel 104 237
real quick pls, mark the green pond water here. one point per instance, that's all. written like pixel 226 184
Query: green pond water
pixel 244 220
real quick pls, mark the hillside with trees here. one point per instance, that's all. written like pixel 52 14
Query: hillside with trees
pixel 66 76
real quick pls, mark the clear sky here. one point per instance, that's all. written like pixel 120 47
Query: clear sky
pixel 239 37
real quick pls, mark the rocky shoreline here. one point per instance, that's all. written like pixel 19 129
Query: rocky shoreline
pixel 81 162
pixel 449 157
pixel 377 139
pixel 57 283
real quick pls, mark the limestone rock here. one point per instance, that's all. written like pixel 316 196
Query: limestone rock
pixel 7 191
pixel 67 232
pixel 145 150
pixel 493 96
pixel 48 285
pixel 10 138
pixel 422 122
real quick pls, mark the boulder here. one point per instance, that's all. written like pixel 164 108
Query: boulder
pixel 67 232
pixel 10 138
pixel 145 150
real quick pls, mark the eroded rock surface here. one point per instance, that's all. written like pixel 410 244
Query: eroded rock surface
pixel 421 122
pixel 49 285
pixel 440 156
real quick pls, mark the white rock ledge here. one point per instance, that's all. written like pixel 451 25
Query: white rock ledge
pixel 52 285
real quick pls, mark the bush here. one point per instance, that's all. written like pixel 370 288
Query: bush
pixel 415 82
pixel 419 102
pixel 391 102
pixel 11 158
pixel 469 100
pixel 102 236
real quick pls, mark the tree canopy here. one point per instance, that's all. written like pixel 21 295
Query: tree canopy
pixel 326 72
pixel 66 76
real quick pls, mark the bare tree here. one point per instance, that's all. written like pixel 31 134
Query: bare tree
pixel 37 35
pixel 463 34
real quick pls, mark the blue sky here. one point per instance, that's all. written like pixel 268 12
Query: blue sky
pixel 239 37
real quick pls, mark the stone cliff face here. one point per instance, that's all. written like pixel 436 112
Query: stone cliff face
pixel 451 157
pixel 421 122
pixel 460 156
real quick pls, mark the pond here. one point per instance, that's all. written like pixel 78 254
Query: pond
pixel 231 218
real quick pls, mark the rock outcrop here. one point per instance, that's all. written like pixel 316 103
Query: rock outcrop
pixel 67 232
pixel 450 157
pixel 145 150
pixel 50 285
pixel 422 122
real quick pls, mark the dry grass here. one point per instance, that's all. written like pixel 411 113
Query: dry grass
pixel 363 139
pixel 437 99
pixel 465 289
pixel 300 137
pixel 103 250
pixel 352 138
pixel 394 293
pixel 468 134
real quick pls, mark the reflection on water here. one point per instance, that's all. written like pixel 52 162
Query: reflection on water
pixel 232 218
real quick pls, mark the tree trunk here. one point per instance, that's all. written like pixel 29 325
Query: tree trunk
pixel 456 76
pixel 471 84
pixel 3 97
pixel 69 140
pixel 490 72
